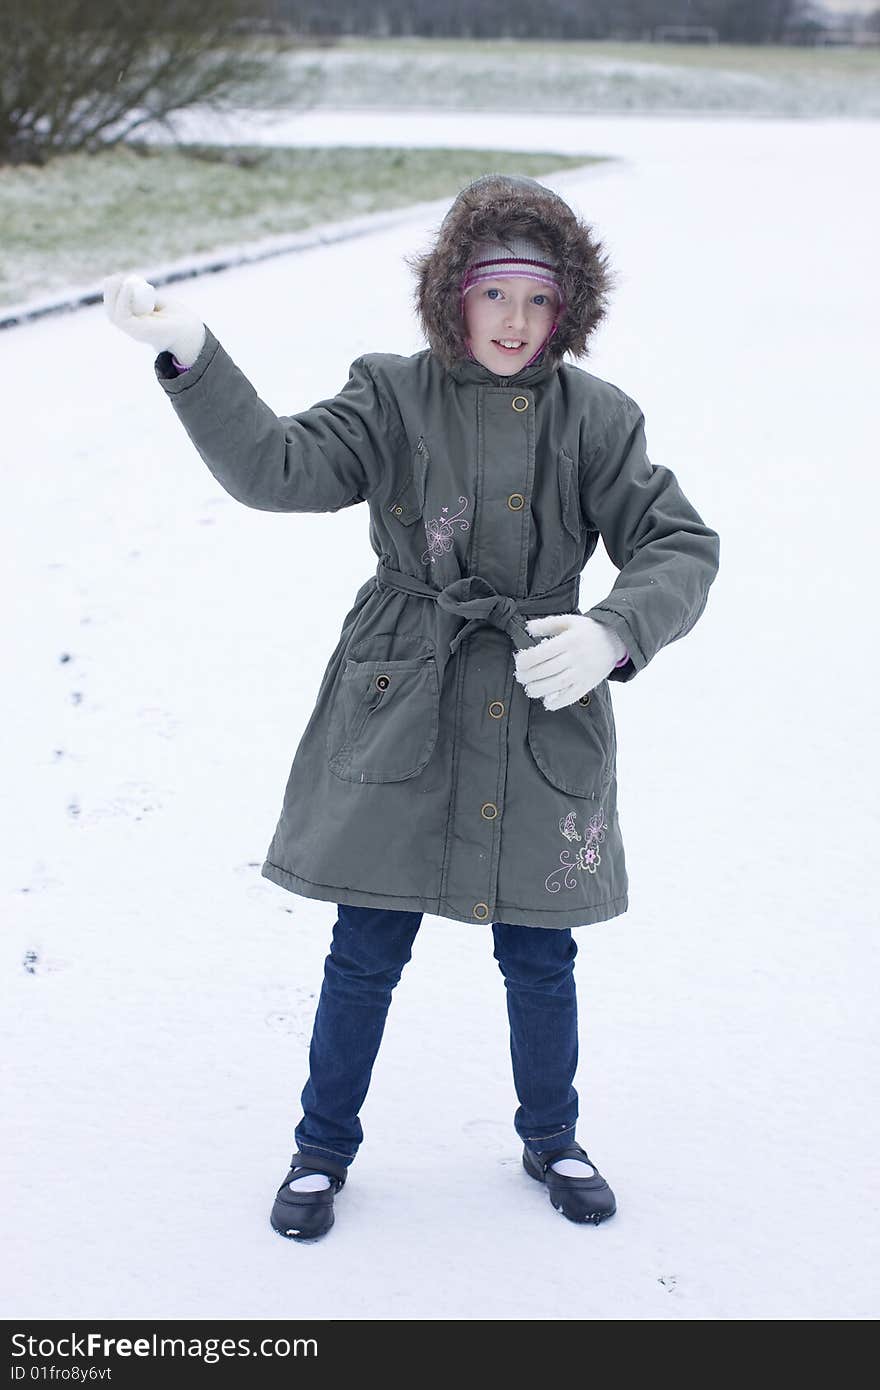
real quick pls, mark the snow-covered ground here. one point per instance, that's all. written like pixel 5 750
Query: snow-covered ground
pixel 164 647
pixel 707 79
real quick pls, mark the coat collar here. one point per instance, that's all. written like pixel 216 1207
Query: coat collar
pixel 465 370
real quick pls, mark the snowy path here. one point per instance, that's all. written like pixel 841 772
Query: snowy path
pixel 163 656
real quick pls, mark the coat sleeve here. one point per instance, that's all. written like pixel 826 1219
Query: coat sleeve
pixel 666 554
pixel 322 459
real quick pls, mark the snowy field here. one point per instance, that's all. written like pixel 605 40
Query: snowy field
pixel 571 76
pixel 164 647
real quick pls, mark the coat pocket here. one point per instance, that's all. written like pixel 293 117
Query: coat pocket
pixel 409 500
pixel 569 494
pixel 385 713
pixel 576 747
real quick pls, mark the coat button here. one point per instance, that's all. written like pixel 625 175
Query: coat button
pixel 398 511
pixel 496 709
pixel 584 699
pixel 383 682
pixel 489 810
pixel 520 403
pixel 516 501
pixel 481 910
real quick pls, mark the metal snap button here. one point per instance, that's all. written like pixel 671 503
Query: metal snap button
pixel 398 511
pixel 383 682
pixel 520 403
pixel 584 699
pixel 496 709
pixel 489 810
pixel 516 501
pixel 481 910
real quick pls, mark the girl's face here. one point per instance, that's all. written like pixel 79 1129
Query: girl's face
pixel 508 310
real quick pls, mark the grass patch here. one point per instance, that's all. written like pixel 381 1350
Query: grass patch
pixel 80 217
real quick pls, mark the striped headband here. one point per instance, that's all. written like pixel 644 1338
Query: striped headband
pixel 519 257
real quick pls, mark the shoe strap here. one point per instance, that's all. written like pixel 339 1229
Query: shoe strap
pixel 319 1164
pixel 570 1151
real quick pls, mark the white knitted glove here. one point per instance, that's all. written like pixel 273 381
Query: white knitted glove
pixel 575 656
pixel 148 315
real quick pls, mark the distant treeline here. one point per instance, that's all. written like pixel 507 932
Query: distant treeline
pixel 730 21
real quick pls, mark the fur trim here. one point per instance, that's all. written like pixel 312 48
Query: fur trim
pixel 496 207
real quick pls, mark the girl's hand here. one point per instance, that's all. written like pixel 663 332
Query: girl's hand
pixel 149 316
pixel 575 656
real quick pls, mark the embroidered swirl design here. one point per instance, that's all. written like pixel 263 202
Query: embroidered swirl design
pixel 441 532
pixel 586 857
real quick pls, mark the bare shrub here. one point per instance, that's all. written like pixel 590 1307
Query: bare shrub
pixel 83 74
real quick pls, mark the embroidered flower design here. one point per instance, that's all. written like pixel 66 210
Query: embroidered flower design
pixel 441 531
pixel 587 857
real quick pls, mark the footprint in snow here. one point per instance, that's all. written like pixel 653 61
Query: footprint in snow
pixel 293 1012
pixel 131 800
pixel 35 964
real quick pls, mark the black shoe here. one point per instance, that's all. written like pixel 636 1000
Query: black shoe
pixel 580 1199
pixel 307 1215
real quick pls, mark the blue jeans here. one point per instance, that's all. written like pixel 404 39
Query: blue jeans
pixel 369 949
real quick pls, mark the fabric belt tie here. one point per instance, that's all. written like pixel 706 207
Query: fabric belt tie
pixel 474 598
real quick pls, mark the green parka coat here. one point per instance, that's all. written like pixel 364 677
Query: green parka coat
pixel 426 779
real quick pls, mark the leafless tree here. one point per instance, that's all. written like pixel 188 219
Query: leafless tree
pixel 83 74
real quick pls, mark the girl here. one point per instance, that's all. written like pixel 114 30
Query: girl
pixel 461 755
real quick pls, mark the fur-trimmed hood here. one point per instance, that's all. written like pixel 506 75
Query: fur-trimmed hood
pixel 492 208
